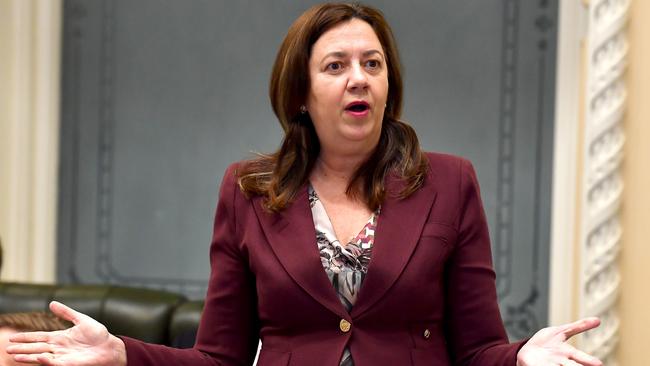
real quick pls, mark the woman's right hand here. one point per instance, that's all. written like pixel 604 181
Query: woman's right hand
pixel 86 343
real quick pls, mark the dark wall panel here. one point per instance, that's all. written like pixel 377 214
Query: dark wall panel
pixel 160 96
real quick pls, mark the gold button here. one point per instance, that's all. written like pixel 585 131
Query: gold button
pixel 344 325
pixel 427 334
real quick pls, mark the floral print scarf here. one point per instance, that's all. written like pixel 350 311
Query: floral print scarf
pixel 346 265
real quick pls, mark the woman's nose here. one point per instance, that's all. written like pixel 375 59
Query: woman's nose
pixel 358 79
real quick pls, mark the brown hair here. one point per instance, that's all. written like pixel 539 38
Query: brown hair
pixel 280 175
pixel 33 321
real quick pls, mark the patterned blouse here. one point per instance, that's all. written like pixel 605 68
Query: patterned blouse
pixel 345 265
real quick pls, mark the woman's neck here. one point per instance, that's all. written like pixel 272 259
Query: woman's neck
pixel 337 168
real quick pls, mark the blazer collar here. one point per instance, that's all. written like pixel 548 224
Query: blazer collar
pixel 398 231
pixel 292 237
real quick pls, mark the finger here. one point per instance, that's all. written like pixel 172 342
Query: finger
pixel 582 325
pixel 29 348
pixel 569 363
pixel 31 337
pixel 49 360
pixel 583 358
pixel 31 359
pixel 66 313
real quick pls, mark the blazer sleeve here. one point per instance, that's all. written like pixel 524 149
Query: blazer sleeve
pixel 473 322
pixel 228 333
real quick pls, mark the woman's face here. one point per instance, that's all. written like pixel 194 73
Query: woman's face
pixel 5 358
pixel 348 87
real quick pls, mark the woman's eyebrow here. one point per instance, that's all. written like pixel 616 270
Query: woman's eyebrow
pixel 372 52
pixel 343 54
pixel 336 54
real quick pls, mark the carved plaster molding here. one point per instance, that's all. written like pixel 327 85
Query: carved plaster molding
pixel 602 185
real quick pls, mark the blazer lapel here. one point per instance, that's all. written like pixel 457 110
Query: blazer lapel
pixel 292 237
pixel 398 231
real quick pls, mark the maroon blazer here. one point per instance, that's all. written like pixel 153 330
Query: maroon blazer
pixel 429 296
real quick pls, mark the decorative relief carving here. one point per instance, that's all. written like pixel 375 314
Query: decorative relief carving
pixel 610 56
pixel 521 319
pixel 606 152
pixel 603 343
pixel 521 315
pixel 507 126
pixel 603 244
pixel 105 144
pixel 606 146
pixel 74 14
pixel 607 101
pixel 602 183
pixel 608 11
pixel 602 283
pixel 604 193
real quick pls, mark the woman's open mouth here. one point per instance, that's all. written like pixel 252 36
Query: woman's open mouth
pixel 358 108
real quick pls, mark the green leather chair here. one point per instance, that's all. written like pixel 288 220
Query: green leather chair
pixel 150 315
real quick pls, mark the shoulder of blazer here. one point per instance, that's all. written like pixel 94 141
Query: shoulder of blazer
pixel 447 171
pixel 230 183
pixel 445 164
pixel 455 180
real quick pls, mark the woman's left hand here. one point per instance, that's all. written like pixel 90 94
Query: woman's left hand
pixel 549 347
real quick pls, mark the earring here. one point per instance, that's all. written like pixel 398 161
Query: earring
pixel 303 109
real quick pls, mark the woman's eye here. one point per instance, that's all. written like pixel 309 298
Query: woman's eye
pixel 373 64
pixel 334 66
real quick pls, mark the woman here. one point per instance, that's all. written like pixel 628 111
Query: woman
pixel 289 262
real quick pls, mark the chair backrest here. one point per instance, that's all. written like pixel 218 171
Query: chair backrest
pixel 150 315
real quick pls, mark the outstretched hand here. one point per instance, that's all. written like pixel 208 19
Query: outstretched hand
pixel 548 346
pixel 86 343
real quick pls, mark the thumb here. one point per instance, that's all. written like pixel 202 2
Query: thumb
pixel 66 313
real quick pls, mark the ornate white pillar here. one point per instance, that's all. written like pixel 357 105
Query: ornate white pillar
pixel 601 185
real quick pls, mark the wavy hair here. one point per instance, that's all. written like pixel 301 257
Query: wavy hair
pixel 280 175
pixel 33 321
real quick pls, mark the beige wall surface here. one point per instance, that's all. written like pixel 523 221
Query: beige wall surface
pixel 635 254
pixel 29 111
pixel 5 26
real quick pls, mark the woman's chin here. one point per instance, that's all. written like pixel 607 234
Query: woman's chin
pixel 361 136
